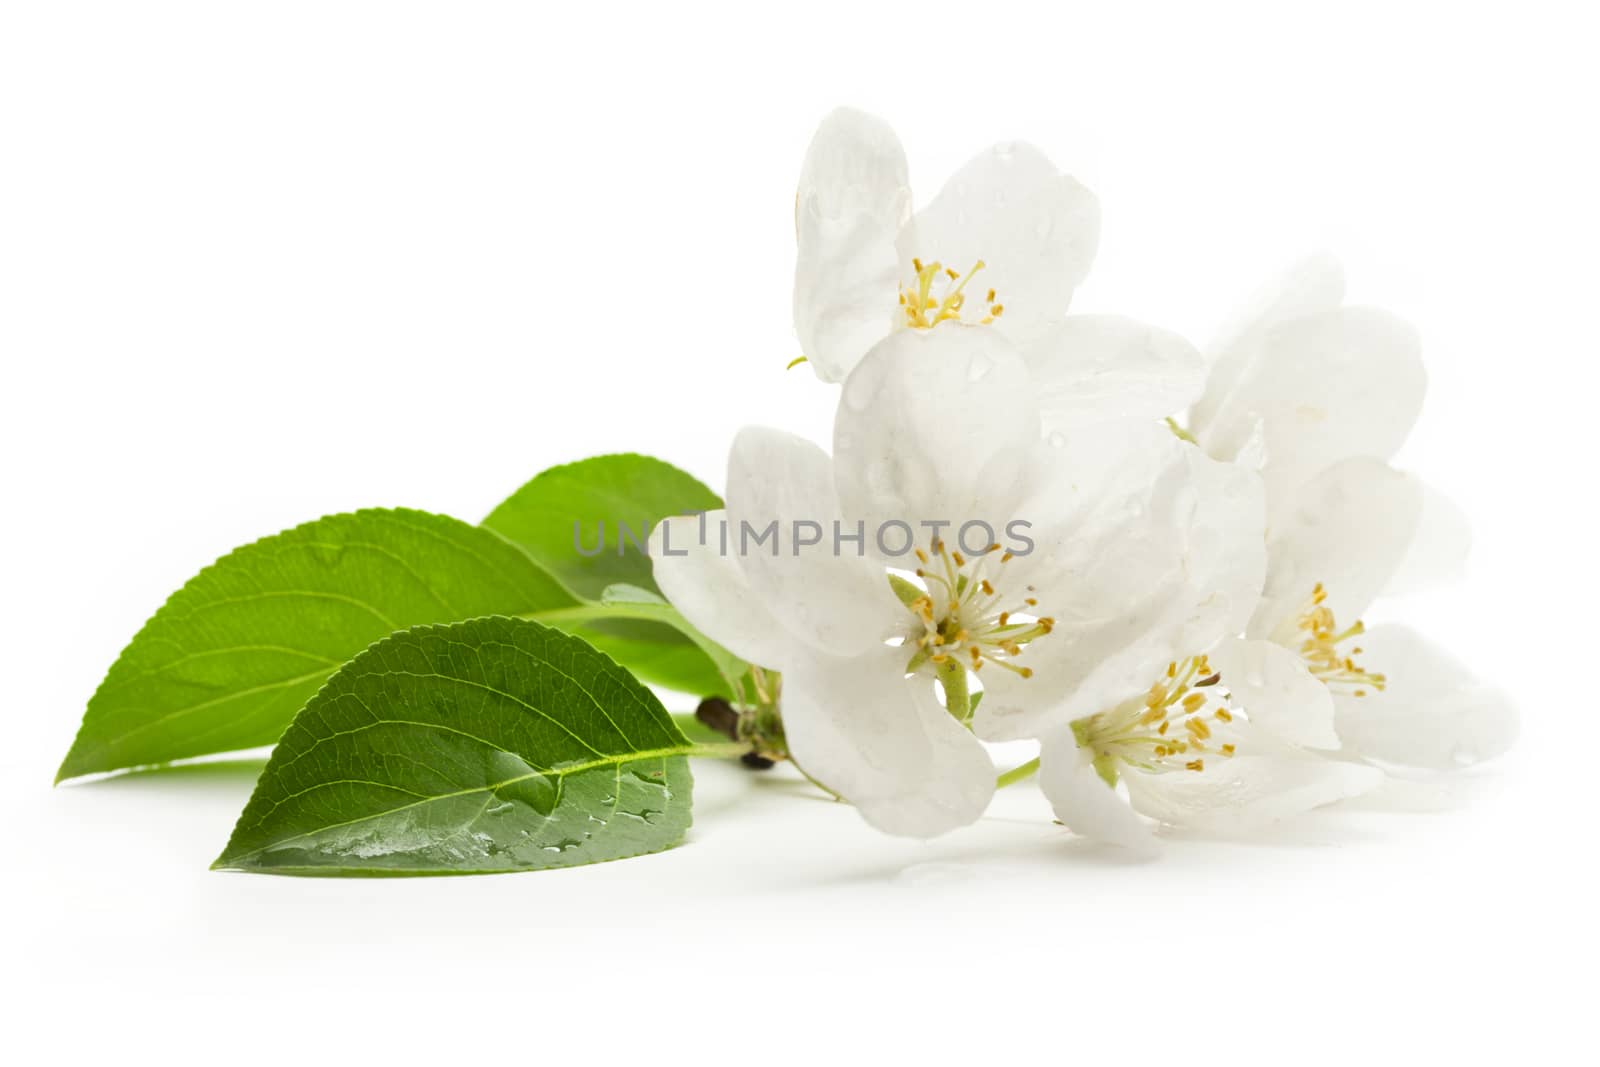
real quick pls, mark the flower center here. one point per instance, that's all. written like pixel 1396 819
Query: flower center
pixel 1182 720
pixel 959 614
pixel 1320 640
pixel 924 309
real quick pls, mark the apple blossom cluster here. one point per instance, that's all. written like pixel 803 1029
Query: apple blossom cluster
pixel 1183 636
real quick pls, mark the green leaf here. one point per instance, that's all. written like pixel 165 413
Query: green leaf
pixel 619 490
pixel 588 502
pixel 488 745
pixel 642 604
pixel 231 657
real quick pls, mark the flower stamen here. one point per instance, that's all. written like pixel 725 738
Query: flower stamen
pixel 924 309
pixel 965 615
pixel 1140 733
pixel 1320 639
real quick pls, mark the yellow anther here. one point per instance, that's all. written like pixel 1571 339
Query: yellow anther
pixel 1139 734
pixel 925 309
pixel 1320 639
pixel 958 617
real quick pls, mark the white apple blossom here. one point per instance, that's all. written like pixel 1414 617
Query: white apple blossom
pixel 1197 751
pixel 1320 395
pixel 1227 734
pixel 1005 243
pixel 1141 547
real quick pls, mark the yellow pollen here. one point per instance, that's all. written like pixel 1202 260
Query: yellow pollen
pixel 1138 735
pixel 1320 638
pixel 961 614
pixel 925 309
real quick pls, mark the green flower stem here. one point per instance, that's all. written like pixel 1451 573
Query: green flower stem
pixel 1018 774
pixel 719 750
pixel 953 680
pixel 696 731
pixel 796 765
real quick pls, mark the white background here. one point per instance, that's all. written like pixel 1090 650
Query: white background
pixel 263 262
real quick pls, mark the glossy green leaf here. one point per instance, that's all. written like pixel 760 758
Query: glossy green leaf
pixel 488 745
pixel 607 503
pixel 235 653
pixel 656 653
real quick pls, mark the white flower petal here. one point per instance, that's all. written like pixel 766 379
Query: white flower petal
pixel 1034 228
pixel 1313 285
pixel 1438 551
pixel 1253 453
pixel 838 602
pixel 1147 552
pixel 1273 687
pixel 1432 712
pixel 709 589
pixel 1082 800
pixel 883 743
pixel 1090 368
pixel 854 197
pixel 1340 383
pixel 934 425
pixel 1264 783
pixel 1348 528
